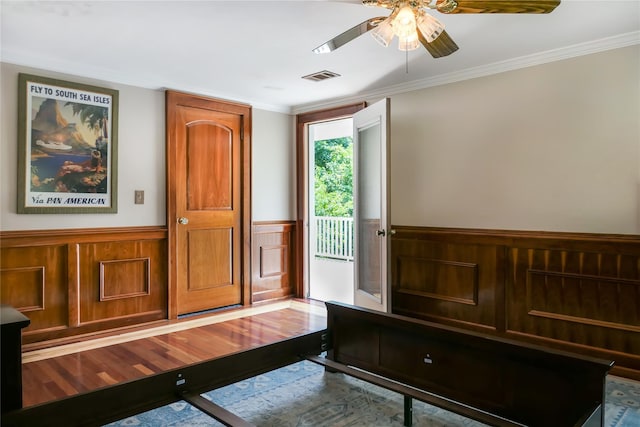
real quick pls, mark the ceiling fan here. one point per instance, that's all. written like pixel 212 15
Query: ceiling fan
pixel 411 23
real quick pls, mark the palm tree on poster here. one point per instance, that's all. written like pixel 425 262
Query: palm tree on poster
pixel 94 117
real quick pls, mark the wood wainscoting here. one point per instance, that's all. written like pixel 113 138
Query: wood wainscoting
pixel 273 260
pixel 71 282
pixel 86 281
pixel 572 291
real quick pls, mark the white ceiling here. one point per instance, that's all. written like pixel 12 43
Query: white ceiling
pixel 257 51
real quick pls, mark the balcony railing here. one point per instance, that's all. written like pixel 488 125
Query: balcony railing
pixel 334 238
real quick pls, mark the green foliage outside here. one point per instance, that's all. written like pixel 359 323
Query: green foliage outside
pixel 333 177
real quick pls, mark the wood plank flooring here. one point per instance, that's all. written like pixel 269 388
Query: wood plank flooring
pixel 52 374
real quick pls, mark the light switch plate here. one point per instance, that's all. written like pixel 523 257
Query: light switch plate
pixel 139 197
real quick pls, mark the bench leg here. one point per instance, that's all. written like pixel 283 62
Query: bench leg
pixel 408 411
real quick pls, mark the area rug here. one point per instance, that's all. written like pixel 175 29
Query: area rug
pixel 622 404
pixel 302 394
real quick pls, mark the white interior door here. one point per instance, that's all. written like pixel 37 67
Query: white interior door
pixel 371 206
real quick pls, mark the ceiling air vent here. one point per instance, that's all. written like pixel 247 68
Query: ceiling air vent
pixel 321 75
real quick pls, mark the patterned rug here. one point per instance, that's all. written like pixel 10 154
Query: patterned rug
pixel 302 394
pixel 622 404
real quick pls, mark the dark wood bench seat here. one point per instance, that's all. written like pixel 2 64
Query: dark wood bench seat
pixel 492 380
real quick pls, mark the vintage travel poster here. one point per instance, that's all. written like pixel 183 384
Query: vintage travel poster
pixel 69 159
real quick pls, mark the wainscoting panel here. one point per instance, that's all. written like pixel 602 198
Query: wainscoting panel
pixel 431 274
pixel 572 291
pixel 34 281
pixel 71 282
pixel 583 297
pixel 125 278
pixel 122 279
pixel 453 283
pixel 273 260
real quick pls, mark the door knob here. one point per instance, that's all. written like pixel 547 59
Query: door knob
pixel 380 232
pixel 182 220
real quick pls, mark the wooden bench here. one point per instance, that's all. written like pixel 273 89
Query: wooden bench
pixel 492 380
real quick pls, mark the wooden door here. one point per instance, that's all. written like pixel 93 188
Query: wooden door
pixel 208 202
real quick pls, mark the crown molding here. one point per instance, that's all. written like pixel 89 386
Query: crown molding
pixel 581 49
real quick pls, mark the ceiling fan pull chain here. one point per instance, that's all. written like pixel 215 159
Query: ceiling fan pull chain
pixel 406 62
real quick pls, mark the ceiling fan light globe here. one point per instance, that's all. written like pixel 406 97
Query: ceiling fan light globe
pixel 404 24
pixel 408 43
pixel 383 33
pixel 429 26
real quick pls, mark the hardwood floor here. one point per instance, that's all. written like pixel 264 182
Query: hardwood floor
pixel 54 373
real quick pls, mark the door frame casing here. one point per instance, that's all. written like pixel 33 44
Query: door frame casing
pixel 302 120
pixel 174 99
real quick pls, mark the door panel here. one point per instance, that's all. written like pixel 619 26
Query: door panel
pixel 207 210
pixel 371 206
pixel 209 166
pixel 210 259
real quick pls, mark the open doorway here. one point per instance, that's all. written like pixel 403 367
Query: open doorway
pixel 305 289
pixel 370 153
pixel 330 241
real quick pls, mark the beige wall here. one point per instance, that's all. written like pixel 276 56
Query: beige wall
pixel 141 160
pixel 552 147
pixel 273 166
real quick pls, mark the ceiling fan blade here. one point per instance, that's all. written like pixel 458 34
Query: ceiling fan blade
pixel 496 6
pixel 443 45
pixel 349 35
